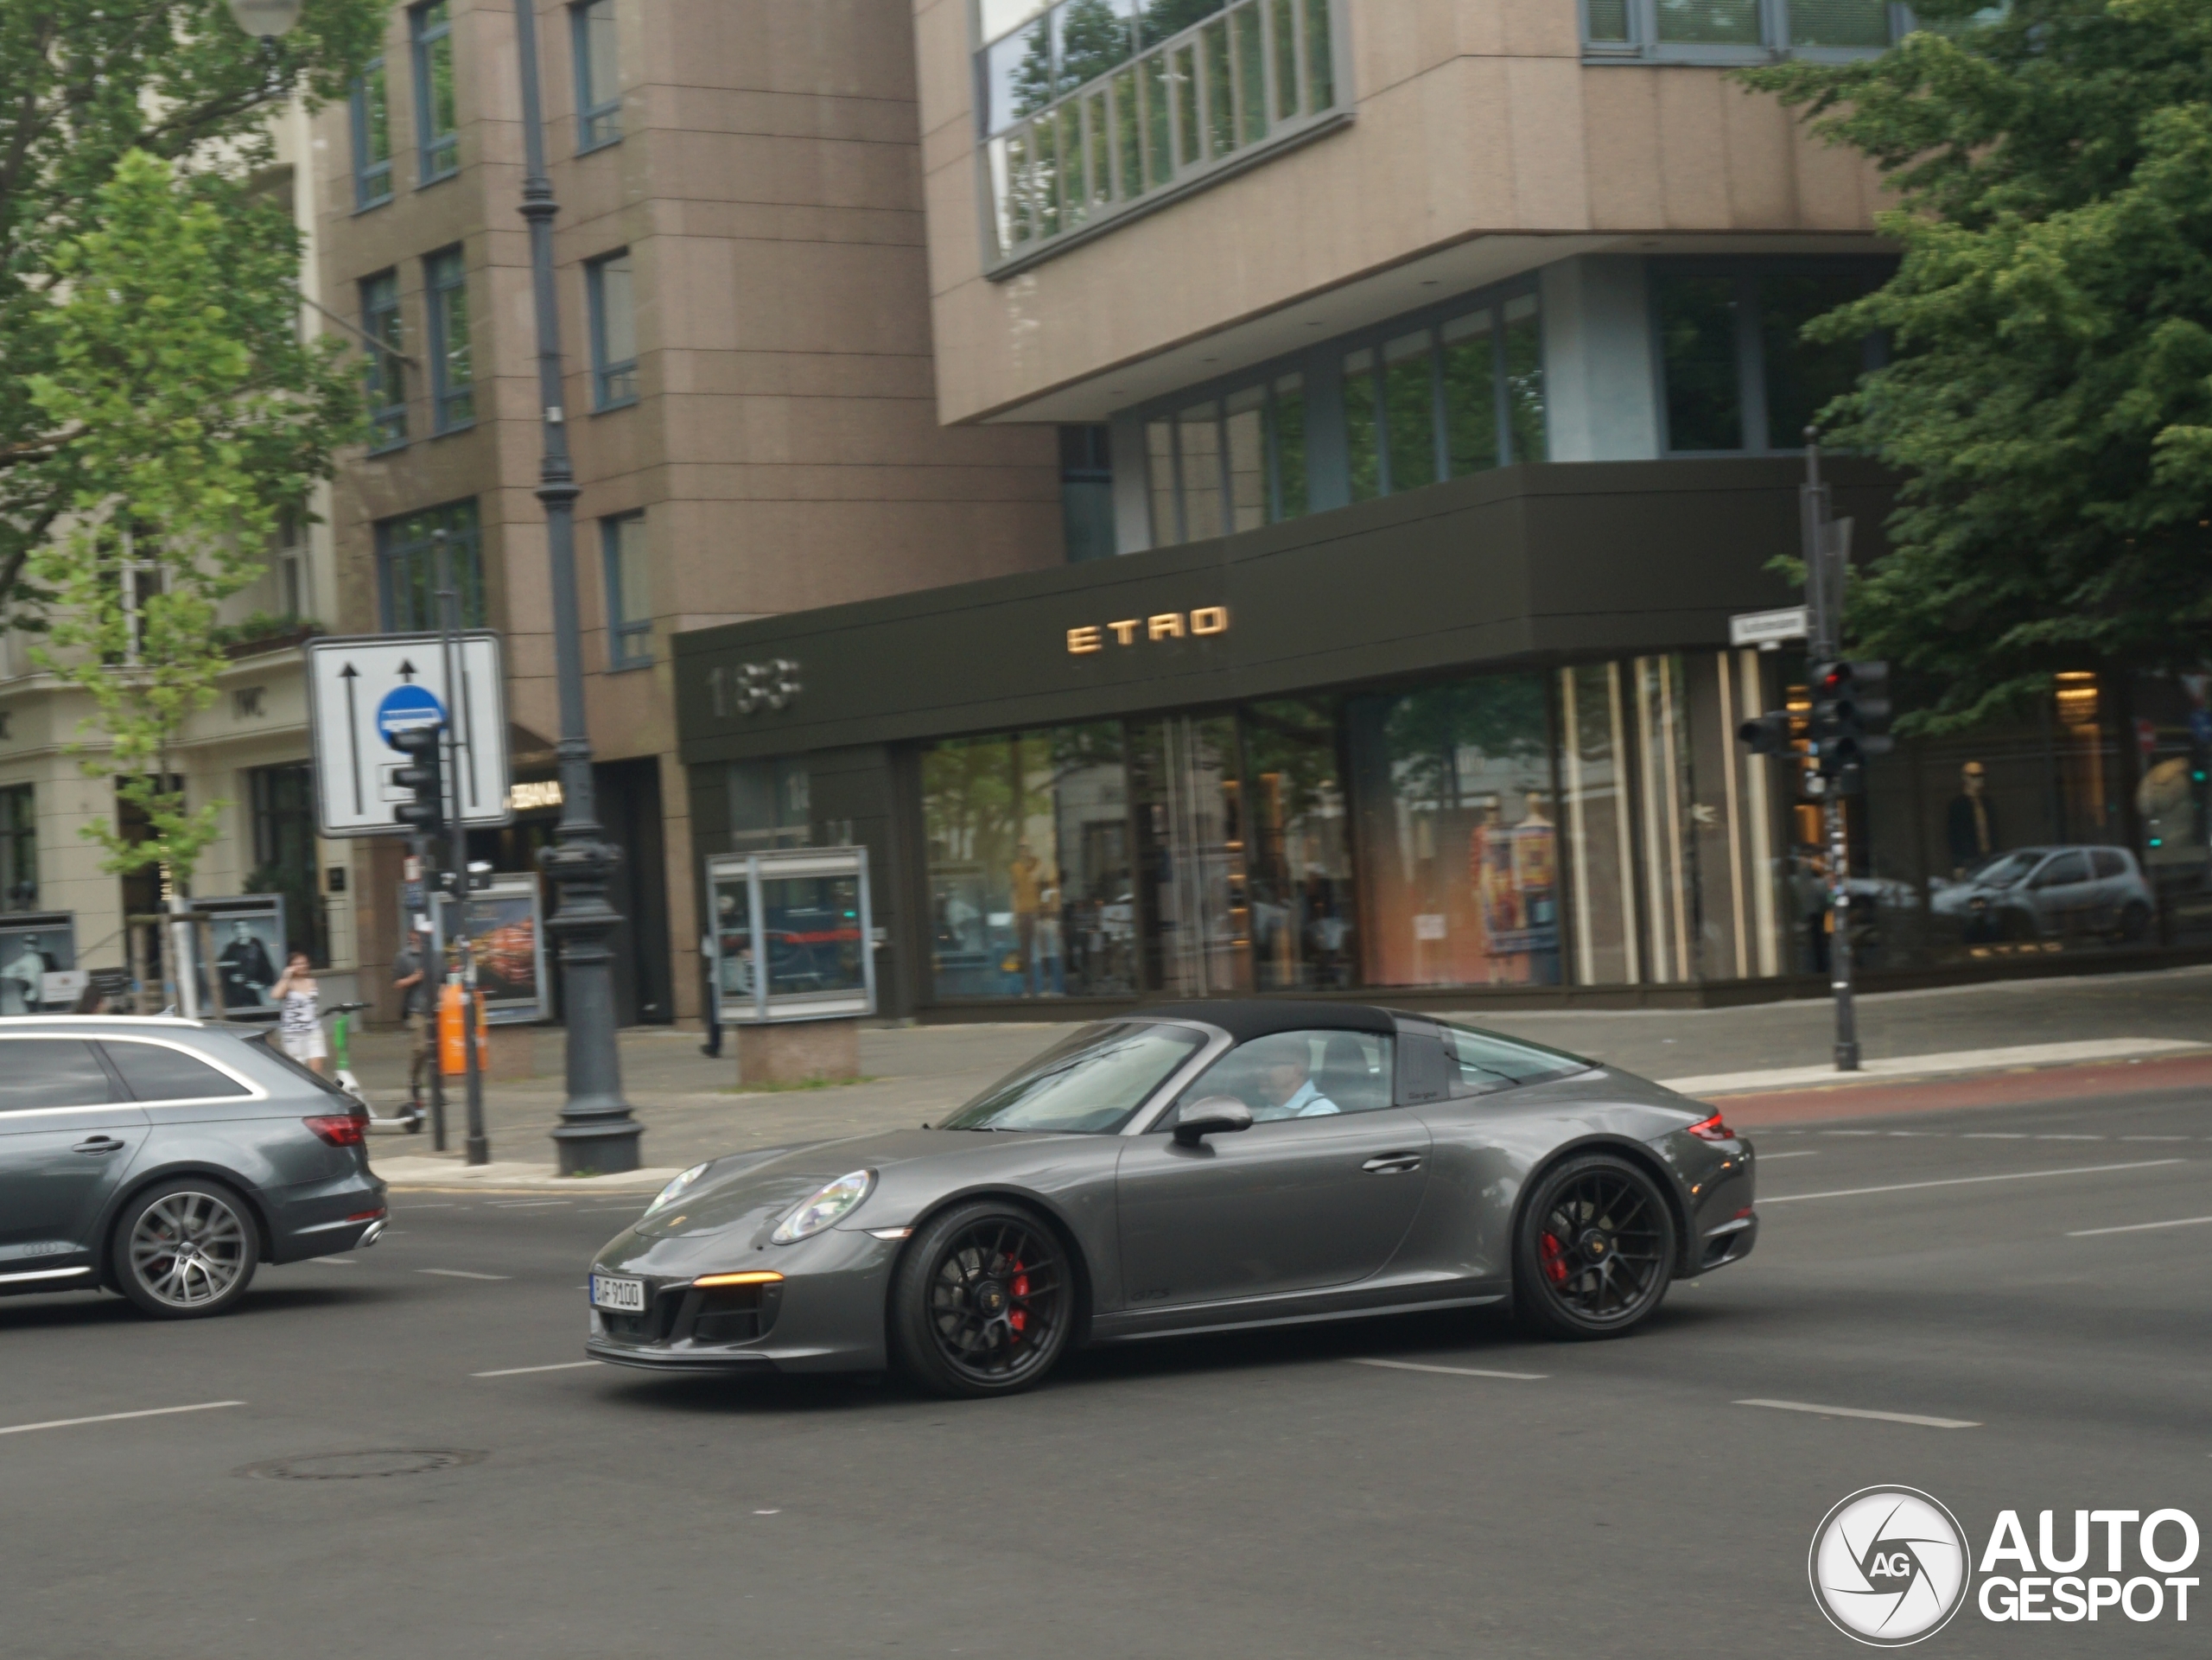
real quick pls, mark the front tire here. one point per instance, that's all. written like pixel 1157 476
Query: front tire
pixel 1594 1250
pixel 185 1249
pixel 983 1301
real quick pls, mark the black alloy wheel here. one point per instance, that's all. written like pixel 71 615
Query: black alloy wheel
pixel 982 1301
pixel 1595 1250
pixel 184 1249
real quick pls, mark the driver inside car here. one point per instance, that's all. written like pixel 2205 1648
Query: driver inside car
pixel 1287 1089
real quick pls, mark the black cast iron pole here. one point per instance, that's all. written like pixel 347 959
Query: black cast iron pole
pixel 596 1132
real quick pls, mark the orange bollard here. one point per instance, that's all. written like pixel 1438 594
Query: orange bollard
pixel 452 1057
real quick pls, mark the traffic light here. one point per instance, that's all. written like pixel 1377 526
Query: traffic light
pixel 1850 720
pixel 1771 734
pixel 425 815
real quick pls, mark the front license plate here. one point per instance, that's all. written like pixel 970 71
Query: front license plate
pixel 623 1296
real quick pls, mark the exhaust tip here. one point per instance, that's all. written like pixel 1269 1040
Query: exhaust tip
pixel 370 1235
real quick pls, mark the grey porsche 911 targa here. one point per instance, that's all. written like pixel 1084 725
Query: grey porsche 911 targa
pixel 1188 1168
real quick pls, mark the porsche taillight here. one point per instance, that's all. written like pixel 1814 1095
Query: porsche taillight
pixel 1712 1130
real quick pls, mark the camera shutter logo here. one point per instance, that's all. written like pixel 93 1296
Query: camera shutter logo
pixel 1889 1566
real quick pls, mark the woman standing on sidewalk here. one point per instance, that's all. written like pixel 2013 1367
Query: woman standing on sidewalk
pixel 299 1026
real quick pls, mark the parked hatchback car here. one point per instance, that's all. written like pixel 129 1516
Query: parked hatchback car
pixel 2049 892
pixel 169 1158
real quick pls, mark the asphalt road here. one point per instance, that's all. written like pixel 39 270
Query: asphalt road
pixel 1267 1496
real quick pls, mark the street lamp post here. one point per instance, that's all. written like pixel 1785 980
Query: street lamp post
pixel 596 1132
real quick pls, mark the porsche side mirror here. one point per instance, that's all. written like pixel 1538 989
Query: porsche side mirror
pixel 1216 1115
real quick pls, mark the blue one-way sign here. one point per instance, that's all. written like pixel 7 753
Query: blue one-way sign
pixel 404 709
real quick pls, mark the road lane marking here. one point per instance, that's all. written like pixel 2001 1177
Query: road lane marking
pixel 2069 1138
pixel 526 1203
pixel 1995 1135
pixel 2154 1138
pixel 1804 1153
pixel 335 1262
pixel 1963 1181
pixel 463 1274
pixel 1860 1412
pixel 116 1417
pixel 1457 1372
pixel 410 1205
pixel 2140 1227
pixel 516 1371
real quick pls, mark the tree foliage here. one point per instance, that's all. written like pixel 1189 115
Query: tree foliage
pixel 2049 399
pixel 83 84
pixel 191 418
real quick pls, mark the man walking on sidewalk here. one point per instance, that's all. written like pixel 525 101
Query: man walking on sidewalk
pixel 411 978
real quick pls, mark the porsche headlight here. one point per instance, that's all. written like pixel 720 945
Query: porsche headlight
pixel 829 1206
pixel 676 1189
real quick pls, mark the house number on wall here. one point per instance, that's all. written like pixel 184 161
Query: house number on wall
pixel 748 688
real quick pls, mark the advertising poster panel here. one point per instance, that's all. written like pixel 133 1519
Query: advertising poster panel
pixel 248 931
pixel 35 945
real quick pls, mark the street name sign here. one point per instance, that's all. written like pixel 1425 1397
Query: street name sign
pixel 365 690
pixel 1761 627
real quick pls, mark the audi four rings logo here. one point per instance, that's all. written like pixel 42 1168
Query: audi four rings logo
pixel 1891 1565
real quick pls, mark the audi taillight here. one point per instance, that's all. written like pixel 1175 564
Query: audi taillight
pixel 339 1129
pixel 1712 1130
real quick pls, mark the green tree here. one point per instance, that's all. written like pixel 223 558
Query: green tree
pixel 192 412
pixel 2049 399
pixel 81 86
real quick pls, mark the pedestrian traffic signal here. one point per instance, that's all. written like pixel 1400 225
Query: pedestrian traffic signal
pixel 426 813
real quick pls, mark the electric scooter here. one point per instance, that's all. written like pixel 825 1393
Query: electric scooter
pixel 409 1123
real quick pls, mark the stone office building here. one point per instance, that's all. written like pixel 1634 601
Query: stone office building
pixel 1429 381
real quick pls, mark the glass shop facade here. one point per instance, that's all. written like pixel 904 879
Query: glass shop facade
pixel 1476 751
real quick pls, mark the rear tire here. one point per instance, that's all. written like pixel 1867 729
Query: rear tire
pixel 1594 1251
pixel 185 1249
pixel 983 1301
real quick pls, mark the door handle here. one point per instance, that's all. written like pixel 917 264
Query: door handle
pixel 98 1144
pixel 1393 1164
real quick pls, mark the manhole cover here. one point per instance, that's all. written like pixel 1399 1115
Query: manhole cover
pixel 359 1466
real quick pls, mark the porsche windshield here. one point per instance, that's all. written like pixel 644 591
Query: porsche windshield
pixel 1091 1081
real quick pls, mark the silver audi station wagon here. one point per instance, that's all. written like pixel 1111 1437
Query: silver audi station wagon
pixel 169 1158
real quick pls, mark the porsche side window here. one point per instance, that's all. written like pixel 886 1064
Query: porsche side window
pixel 1478 1063
pixel 1091 1082
pixel 1299 1075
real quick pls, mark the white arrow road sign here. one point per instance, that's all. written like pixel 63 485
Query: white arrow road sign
pixel 364 689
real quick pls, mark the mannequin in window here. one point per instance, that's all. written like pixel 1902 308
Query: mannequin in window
pixel 1972 823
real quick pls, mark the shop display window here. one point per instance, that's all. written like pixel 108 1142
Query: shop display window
pixel 1458 824
pixel 1029 875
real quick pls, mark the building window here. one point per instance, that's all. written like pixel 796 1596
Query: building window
pixel 1087 491
pixel 284 854
pixel 19 847
pixel 437 121
pixel 1740 375
pixel 371 137
pixel 629 591
pixel 1232 463
pixel 599 81
pixel 613 310
pixel 287 558
pixel 453 374
pixel 1441 402
pixel 1738 31
pixel 1091 108
pixel 407 567
pixel 1028 840
pixel 386 372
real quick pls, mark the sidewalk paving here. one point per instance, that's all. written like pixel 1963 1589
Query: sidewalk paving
pixel 692 1107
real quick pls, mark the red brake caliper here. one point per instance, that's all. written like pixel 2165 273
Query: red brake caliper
pixel 1018 1320
pixel 1554 1257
